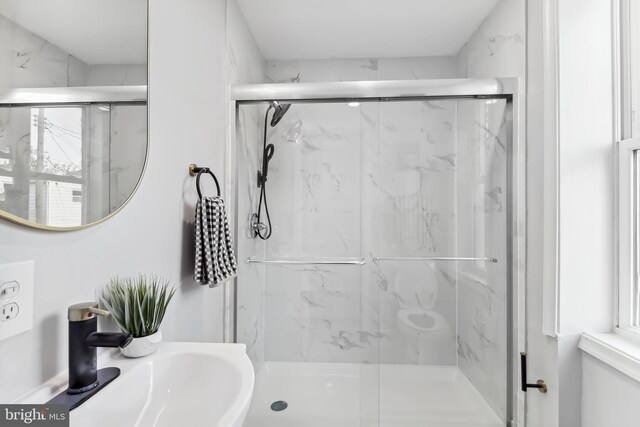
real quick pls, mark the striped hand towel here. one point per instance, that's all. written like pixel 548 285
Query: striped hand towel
pixel 215 258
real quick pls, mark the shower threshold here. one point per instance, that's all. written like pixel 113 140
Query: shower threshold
pixel 366 395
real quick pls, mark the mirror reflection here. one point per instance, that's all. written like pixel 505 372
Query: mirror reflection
pixel 73 109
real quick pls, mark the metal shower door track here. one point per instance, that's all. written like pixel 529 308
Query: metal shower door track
pixel 374 90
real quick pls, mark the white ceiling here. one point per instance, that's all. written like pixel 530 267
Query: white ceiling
pixel 315 29
pixel 94 31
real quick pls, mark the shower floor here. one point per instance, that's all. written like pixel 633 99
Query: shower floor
pixel 346 395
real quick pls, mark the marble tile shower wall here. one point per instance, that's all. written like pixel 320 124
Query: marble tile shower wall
pixel 350 182
pixel 411 212
pixel 337 70
pixel 496 49
pixel 347 182
pixel 36 63
pixel 315 313
pixel 389 179
pixel 482 230
pixel 39 63
pixel 348 199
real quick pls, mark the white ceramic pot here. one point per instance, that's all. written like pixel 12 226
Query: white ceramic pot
pixel 143 346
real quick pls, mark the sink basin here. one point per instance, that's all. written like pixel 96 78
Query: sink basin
pixel 182 384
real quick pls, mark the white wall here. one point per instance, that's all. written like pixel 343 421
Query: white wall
pixel 586 232
pixel 542 409
pixel 586 166
pixel 585 227
pixel 609 397
pixel 585 221
pixel 154 232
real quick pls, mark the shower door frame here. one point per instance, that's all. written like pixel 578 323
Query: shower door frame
pixel 509 89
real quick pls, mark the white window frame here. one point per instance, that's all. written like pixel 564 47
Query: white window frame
pixel 628 188
pixel 628 211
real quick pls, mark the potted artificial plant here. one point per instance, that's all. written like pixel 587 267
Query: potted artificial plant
pixel 138 305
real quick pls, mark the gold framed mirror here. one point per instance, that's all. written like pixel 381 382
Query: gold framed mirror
pixel 73 110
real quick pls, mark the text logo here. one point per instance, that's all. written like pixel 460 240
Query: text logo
pixel 34 415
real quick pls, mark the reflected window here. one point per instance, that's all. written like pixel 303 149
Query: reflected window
pixel 55 153
pixel 56 164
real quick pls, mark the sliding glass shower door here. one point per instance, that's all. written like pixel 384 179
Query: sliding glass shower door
pixel 380 298
pixel 304 310
pixel 439 257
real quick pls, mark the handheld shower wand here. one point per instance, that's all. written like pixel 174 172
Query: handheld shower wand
pixel 260 229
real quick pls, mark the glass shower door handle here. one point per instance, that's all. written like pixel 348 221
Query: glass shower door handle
pixel 540 384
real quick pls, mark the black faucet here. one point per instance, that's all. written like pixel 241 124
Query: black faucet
pixel 85 379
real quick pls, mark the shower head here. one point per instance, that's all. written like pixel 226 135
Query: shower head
pixel 279 111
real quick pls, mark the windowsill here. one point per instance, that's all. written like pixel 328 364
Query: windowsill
pixel 615 350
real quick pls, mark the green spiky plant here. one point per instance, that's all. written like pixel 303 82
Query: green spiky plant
pixel 138 304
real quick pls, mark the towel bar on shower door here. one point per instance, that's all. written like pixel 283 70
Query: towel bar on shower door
pixel 359 261
pixel 432 258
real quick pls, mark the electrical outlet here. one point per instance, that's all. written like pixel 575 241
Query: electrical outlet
pixel 16 298
pixel 9 312
pixel 9 290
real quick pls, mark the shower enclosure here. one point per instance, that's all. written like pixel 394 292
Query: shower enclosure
pixel 386 294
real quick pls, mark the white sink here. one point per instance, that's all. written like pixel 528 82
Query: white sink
pixel 182 384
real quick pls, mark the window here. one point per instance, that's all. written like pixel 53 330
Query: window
pixel 629 170
pixel 629 229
